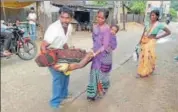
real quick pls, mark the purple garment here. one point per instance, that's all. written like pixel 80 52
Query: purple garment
pixel 112 44
pixel 102 63
pixel 101 42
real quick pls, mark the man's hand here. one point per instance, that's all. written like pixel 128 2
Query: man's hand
pixel 44 46
pixel 31 20
pixel 92 54
pixel 66 46
pixel 56 67
pixel 72 47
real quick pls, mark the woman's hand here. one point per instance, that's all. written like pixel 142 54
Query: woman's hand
pixel 167 32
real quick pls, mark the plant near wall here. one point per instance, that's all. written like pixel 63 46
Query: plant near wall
pixel 173 12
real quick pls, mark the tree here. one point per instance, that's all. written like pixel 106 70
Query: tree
pixel 174 4
pixel 138 6
pixel 173 12
pixel 100 3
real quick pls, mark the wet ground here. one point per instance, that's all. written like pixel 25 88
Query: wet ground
pixel 27 88
pixel 157 93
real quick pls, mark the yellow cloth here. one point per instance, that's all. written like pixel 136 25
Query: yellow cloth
pixel 147 58
pixel 68 73
pixel 15 4
pixel 64 68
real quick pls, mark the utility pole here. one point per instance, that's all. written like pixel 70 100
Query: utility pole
pixel 115 17
pixel 162 9
pixel 123 11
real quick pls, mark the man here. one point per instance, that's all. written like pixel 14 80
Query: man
pixel 176 58
pixel 22 27
pixel 7 36
pixel 56 37
pixel 32 17
pixel 168 19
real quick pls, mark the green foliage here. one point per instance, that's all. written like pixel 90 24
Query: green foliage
pixel 100 3
pixel 174 4
pixel 173 12
pixel 138 6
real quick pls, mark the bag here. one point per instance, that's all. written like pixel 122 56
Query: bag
pixel 52 56
pixel 135 56
pixel 136 53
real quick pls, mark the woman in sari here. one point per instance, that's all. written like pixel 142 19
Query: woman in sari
pixel 102 61
pixel 147 58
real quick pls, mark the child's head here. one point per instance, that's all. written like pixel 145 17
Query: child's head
pixel 17 21
pixel 114 29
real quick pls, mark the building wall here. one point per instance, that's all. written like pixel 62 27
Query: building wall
pixel 158 4
pixel 13 14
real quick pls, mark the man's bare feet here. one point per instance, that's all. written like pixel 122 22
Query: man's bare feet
pixel 7 53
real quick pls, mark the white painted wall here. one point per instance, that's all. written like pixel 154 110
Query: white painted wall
pixel 157 4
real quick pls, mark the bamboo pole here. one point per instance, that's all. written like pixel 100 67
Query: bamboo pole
pixel 4 12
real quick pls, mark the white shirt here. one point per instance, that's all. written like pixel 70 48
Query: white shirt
pixel 56 36
pixel 33 17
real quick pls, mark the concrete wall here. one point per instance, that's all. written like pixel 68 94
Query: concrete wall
pixel 133 18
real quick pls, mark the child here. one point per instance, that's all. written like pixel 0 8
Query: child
pixel 113 40
pixel 67 68
pixel 114 30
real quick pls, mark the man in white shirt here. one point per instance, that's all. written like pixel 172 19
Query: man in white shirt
pixel 56 37
pixel 32 17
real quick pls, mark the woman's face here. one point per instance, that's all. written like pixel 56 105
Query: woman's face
pixel 153 17
pixel 100 18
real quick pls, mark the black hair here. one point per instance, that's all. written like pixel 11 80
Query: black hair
pixel 67 10
pixel 105 12
pixel 116 26
pixel 156 12
pixel 32 8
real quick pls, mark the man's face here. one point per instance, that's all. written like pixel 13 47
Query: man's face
pixel 65 19
pixel 17 22
pixel 32 11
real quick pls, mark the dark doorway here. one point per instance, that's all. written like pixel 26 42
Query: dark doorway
pixel 82 16
pixel 83 19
